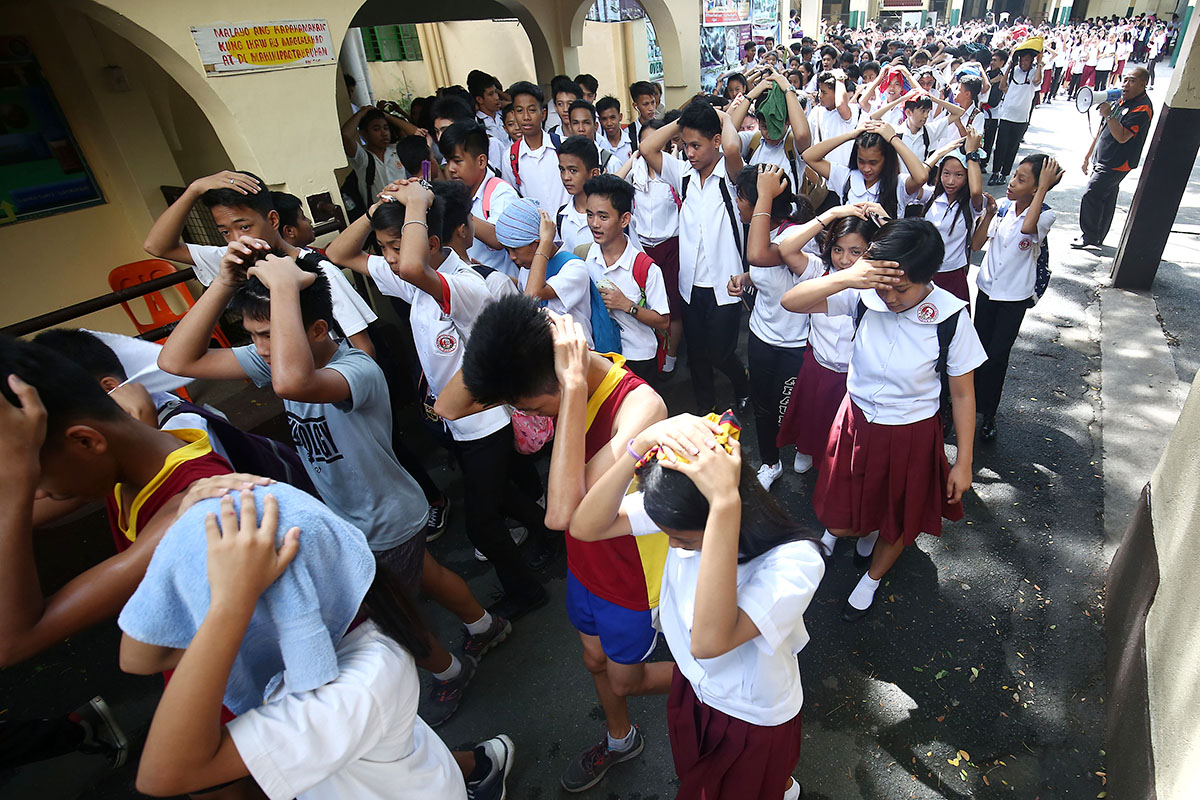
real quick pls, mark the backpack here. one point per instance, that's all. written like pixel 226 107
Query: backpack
pixel 945 335
pixel 606 336
pixel 489 188
pixel 605 157
pixel 248 452
pixel 641 273
pixel 789 149
pixel 515 163
pixel 351 192
pixel 1041 279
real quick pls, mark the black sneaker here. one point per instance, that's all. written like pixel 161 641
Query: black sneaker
pixel 102 735
pixel 987 431
pixel 545 553
pixel 741 405
pixel 1080 243
pixel 476 644
pixel 439 515
pixel 445 696
pixel 587 768
pixel 513 607
pixel 500 752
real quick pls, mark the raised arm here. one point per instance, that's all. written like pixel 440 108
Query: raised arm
pixel 652 144
pixel 974 171
pixel 760 251
pixel 918 171
pixel 810 297
pixel 731 145
pixel 791 247
pixel 980 237
pixel 1051 174
pixel 347 249
pixel 816 156
pixel 350 141
pixel 164 239
pixel 535 285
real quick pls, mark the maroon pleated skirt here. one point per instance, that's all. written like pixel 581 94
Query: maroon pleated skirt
pixel 955 282
pixel 889 478
pixel 719 757
pixel 666 255
pixel 813 407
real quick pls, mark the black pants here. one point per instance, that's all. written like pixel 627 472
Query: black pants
pixel 1099 202
pixel 1008 142
pixel 1101 82
pixel 25 741
pixel 711 332
pixel 997 322
pixel 646 370
pixel 773 372
pixel 1055 82
pixel 1074 86
pixel 989 139
pixel 488 464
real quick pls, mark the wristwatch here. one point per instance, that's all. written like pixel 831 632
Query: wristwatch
pixel 974 156
pixel 633 310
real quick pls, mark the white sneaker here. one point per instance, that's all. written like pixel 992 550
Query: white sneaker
pixel 668 365
pixel 768 473
pixel 802 464
pixel 519 534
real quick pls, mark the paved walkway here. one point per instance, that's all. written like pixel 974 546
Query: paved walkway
pixel 980 674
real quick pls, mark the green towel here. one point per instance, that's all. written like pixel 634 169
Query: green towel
pixel 773 109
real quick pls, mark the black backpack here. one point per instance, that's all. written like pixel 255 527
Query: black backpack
pixel 248 452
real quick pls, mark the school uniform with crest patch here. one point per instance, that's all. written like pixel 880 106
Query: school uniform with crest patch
pixel 884 466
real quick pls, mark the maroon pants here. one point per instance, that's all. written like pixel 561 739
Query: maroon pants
pixel 719 757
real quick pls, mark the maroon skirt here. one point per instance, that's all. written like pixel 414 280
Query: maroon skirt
pixel 955 282
pixel 721 757
pixel 666 255
pixel 813 407
pixel 889 478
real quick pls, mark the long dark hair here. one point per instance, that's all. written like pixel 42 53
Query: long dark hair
pixel 674 502
pixel 888 177
pixel 844 227
pixel 394 610
pixel 781 206
pixel 962 200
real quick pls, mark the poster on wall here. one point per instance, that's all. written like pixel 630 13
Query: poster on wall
pixel 653 52
pixel 42 170
pixel 725 12
pixel 231 48
pixel 766 10
pixel 615 11
pixel 712 47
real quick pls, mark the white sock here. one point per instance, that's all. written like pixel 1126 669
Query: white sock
pixel 621 745
pixel 792 792
pixel 866 544
pixel 451 672
pixel 864 592
pixel 480 625
pixel 669 364
pixel 828 540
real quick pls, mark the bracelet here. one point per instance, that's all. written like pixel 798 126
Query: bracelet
pixel 894 136
pixel 415 222
pixel 821 222
pixel 629 449
pixel 368 214
pixel 760 214
pixel 540 253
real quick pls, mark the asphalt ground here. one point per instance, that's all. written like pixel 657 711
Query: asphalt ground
pixel 978 674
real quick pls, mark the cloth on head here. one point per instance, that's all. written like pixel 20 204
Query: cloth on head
pixel 1034 43
pixel 299 618
pixel 730 429
pixel 518 224
pixel 773 110
pixel 140 360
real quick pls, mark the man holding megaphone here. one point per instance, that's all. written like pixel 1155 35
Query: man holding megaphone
pixel 1114 152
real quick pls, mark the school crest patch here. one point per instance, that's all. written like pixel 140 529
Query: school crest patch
pixel 1025 244
pixel 927 312
pixel 447 343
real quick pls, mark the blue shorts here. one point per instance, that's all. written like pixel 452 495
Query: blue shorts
pixel 627 636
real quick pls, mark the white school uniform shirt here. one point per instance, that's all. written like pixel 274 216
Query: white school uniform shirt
pixel 851 181
pixel 937 129
pixel 573 230
pixel 893 377
pixel 539 174
pixel 770 321
pixel 1017 105
pixel 1107 58
pixel 495 127
pixel 573 287
pixel 1009 267
pixel 826 123
pixel 387 170
pixel 620 151
pixel 894 117
pixel 830 338
pixel 351 312
pixel 357 736
pixel 502 195
pixel 709 253
pixel 441 331
pixel 767 153
pixel 949 221
pixel 655 211
pixel 758 681
pixel 638 340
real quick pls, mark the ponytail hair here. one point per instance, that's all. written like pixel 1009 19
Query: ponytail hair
pixel 781 206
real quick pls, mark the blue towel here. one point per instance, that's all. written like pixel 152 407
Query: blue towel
pixel 299 618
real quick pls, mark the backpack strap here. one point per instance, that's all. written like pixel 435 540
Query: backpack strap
pixel 683 189
pixel 558 218
pixel 733 220
pixel 555 140
pixel 489 188
pixel 370 176
pixel 605 157
pixel 945 335
pixel 514 162
pixel 641 273
pixel 859 312
pixel 755 141
pixel 483 270
pixel 789 150
pixel 925 136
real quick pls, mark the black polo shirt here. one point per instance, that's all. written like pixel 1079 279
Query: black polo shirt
pixel 1135 114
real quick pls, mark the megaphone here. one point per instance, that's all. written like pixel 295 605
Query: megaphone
pixel 1087 99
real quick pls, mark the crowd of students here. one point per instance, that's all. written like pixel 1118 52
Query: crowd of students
pixel 553 261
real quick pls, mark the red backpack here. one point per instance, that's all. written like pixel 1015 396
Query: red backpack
pixel 515 150
pixel 641 274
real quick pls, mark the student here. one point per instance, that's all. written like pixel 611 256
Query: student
pixel 367 140
pixel 645 104
pixel 589 85
pixel 821 384
pixel 612 587
pixel 582 122
pixel 341 720
pixel 458 233
pixel 511 126
pixel 486 90
pixel 241 206
pixel 628 279
pixel 563 92
pixel 954 204
pixel 710 243
pixel 465 148
pixel 578 160
pixel 295 228
pixel 776 141
pixel 528 233
pixel 873 174
pixel 413 152
pixel 1008 273
pixel 532 163
pixel 739 576
pixel 656 219
pixel 917 130
pixel 778 338
pixel 612 135
pixel 884 474
pixel 1019 85
pixel 340 416
pixel 447 296
pixel 833 114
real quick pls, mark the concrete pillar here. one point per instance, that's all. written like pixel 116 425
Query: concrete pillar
pixel 810 18
pixel 353 61
pixel 1168 160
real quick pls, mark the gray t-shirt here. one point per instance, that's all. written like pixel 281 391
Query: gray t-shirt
pixel 347 450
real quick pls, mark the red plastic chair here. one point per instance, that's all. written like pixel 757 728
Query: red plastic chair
pixel 161 311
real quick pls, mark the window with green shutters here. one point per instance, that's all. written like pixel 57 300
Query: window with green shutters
pixel 391 43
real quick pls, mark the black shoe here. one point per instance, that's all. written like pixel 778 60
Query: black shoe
pixel 439 515
pixel 741 405
pixel 852 614
pixel 987 431
pixel 545 553
pixel 102 733
pixel 446 696
pixel 1079 243
pixel 994 180
pixel 513 607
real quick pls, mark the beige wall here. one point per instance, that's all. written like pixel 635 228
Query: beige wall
pixel 500 48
